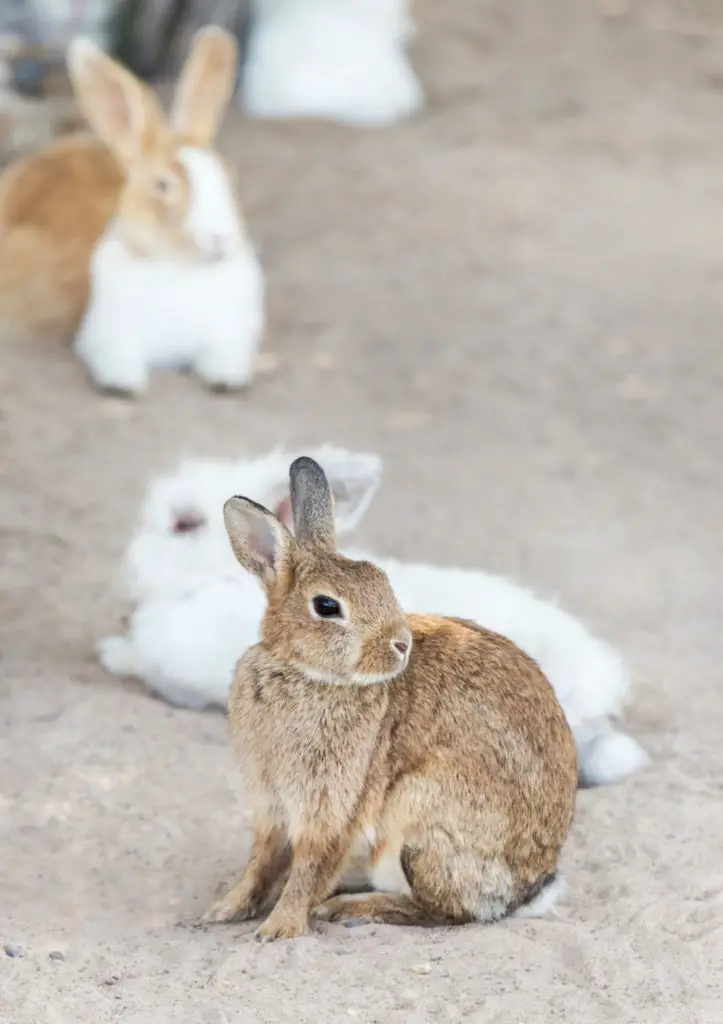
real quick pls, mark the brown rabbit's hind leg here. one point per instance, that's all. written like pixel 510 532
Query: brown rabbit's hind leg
pixel 374 889
pixel 461 882
pixel 377 907
pixel 394 900
pixel 260 883
pixel 437 882
pixel 452 871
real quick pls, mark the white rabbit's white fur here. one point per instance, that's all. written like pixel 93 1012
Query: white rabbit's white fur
pixel 196 610
pixel 343 60
pixel 150 313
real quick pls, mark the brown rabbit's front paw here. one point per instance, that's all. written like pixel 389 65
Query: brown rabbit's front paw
pixel 282 926
pixel 228 910
pixel 337 908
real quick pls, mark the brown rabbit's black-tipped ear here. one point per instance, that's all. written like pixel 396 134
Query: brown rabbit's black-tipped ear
pixel 206 85
pixel 122 110
pixel 312 504
pixel 260 542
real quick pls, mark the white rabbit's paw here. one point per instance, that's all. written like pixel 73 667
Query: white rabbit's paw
pixel 115 654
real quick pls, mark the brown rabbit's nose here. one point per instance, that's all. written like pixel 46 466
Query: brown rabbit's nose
pixel 401 644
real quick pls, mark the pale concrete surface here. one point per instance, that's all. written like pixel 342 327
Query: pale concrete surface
pixel 517 300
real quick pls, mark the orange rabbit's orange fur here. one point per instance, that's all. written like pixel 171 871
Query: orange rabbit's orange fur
pixel 54 206
pixel 455 760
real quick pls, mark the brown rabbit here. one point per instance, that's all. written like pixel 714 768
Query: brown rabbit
pixel 439 742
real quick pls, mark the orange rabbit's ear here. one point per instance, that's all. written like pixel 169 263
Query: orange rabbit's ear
pixel 122 111
pixel 206 85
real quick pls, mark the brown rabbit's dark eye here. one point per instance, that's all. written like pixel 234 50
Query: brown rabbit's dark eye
pixel 326 607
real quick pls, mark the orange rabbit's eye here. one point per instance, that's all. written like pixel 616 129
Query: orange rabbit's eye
pixel 166 185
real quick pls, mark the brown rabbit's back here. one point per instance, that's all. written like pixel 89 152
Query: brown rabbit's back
pixel 54 206
pixel 484 710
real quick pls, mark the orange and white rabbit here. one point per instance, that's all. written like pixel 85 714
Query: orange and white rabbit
pixel 134 240
pixel 440 742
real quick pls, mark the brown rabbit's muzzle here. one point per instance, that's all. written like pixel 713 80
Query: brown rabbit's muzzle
pixel 342 655
pixel 339 622
pixel 384 656
pixel 372 642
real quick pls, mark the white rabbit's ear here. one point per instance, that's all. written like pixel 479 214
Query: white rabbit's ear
pixel 282 511
pixel 122 111
pixel 353 479
pixel 206 85
pixel 260 542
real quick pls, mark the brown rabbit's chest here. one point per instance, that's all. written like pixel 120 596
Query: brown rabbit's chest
pixel 307 748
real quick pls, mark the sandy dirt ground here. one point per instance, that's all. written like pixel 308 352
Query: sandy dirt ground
pixel 518 300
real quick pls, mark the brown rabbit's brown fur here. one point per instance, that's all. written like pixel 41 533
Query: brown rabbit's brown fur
pixel 455 760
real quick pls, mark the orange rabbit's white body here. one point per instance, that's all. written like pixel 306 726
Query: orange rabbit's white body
pixel 144 314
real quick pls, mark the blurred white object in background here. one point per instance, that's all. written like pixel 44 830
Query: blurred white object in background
pixel 58 21
pixel 341 60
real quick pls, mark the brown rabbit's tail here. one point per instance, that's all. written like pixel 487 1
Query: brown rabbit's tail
pixel 539 899
pixel 43 286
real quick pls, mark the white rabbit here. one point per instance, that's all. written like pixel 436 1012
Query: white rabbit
pixel 343 60
pixel 196 611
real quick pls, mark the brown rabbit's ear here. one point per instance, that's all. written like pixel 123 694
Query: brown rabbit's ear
pixel 122 111
pixel 312 504
pixel 206 85
pixel 260 542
